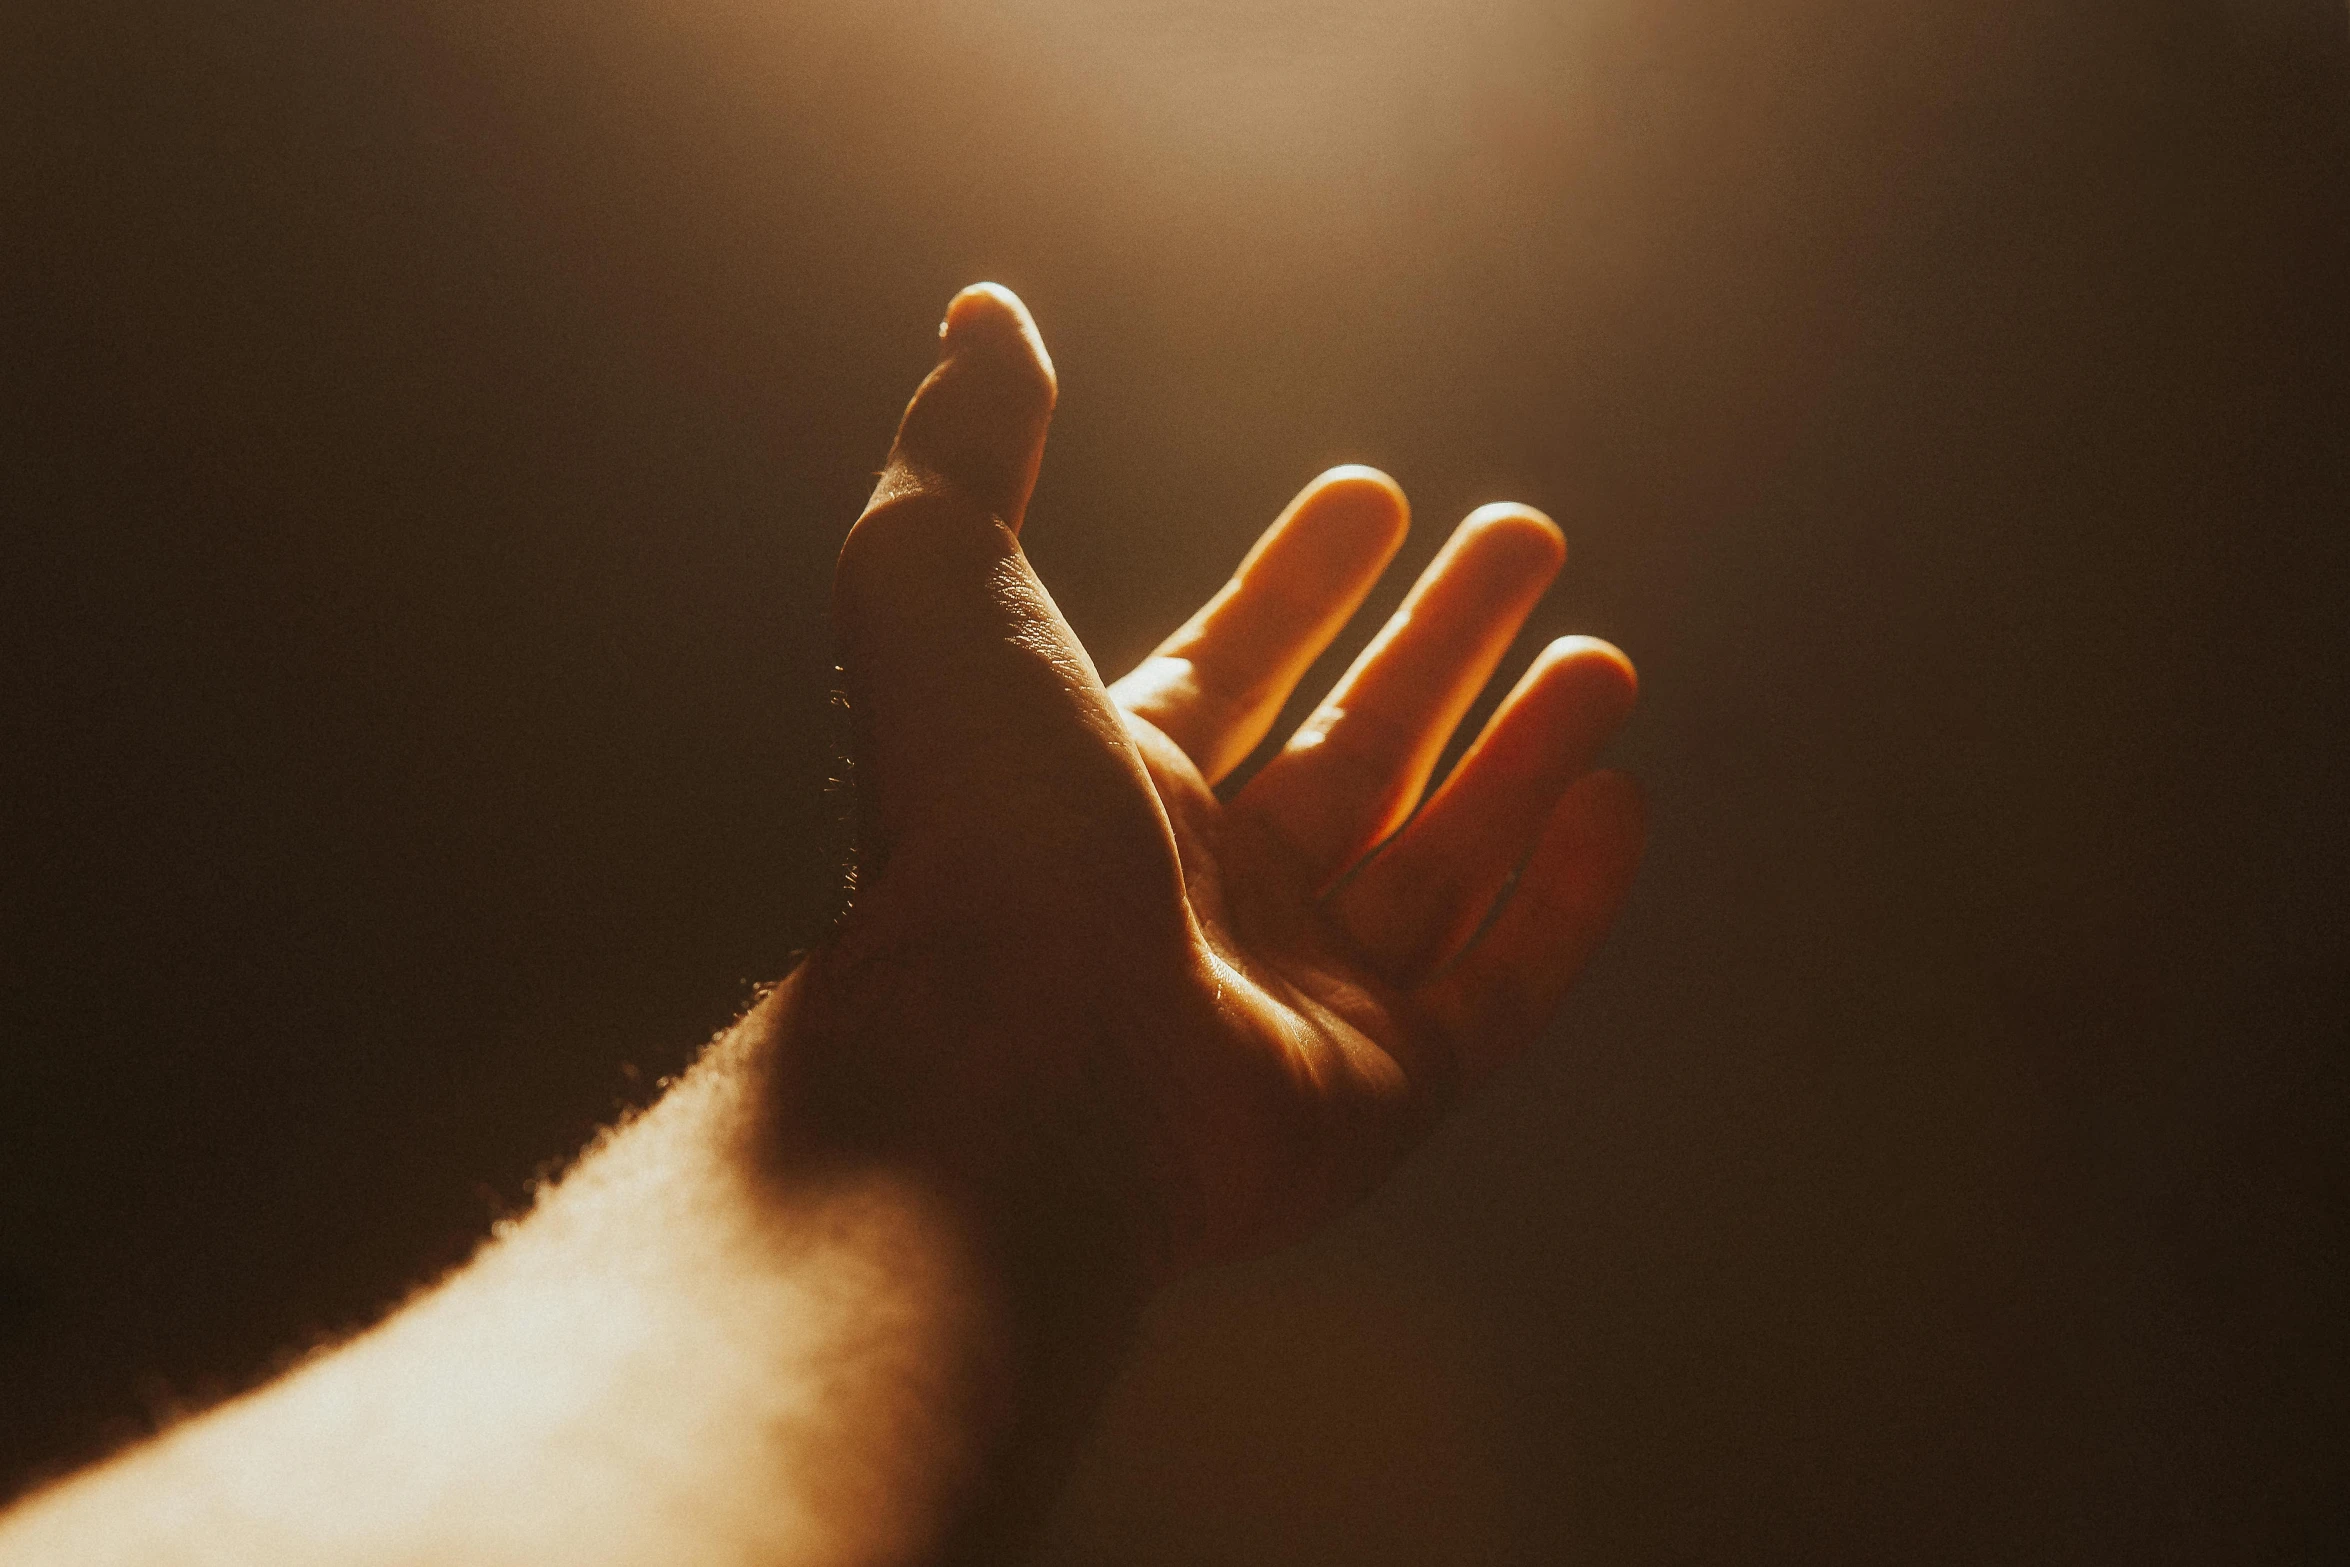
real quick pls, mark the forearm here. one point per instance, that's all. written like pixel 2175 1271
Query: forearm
pixel 697 1347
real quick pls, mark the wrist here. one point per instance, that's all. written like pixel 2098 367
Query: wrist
pixel 1024 1252
pixel 852 1074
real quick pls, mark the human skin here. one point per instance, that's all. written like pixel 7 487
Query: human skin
pixel 847 1292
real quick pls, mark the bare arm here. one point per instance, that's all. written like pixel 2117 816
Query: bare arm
pixel 681 1355
pixel 847 1292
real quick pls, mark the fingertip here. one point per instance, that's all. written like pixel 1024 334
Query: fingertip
pixel 989 319
pixel 983 307
pixel 1361 505
pixel 1362 479
pixel 1525 533
pixel 1597 669
pixel 1502 554
pixel 1578 645
pixel 977 422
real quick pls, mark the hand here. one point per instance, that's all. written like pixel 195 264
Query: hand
pixel 1074 978
pixel 846 1292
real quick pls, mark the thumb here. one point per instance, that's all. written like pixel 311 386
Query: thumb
pixel 976 424
pixel 976 717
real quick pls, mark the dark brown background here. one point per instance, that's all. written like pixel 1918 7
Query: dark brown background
pixel 427 427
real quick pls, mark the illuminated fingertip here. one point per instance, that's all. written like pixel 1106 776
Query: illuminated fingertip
pixel 989 318
pixel 1355 474
pixel 977 422
pixel 1361 503
pixel 1503 547
pixel 1518 519
pixel 1499 511
pixel 1592 654
pixel 985 307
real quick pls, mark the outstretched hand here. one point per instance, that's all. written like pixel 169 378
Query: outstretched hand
pixel 845 1293
pixel 1075 979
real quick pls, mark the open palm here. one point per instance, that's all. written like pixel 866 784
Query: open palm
pixel 1070 968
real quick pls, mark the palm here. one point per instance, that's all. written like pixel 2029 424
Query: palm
pixel 1266 1011
pixel 1319 1070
